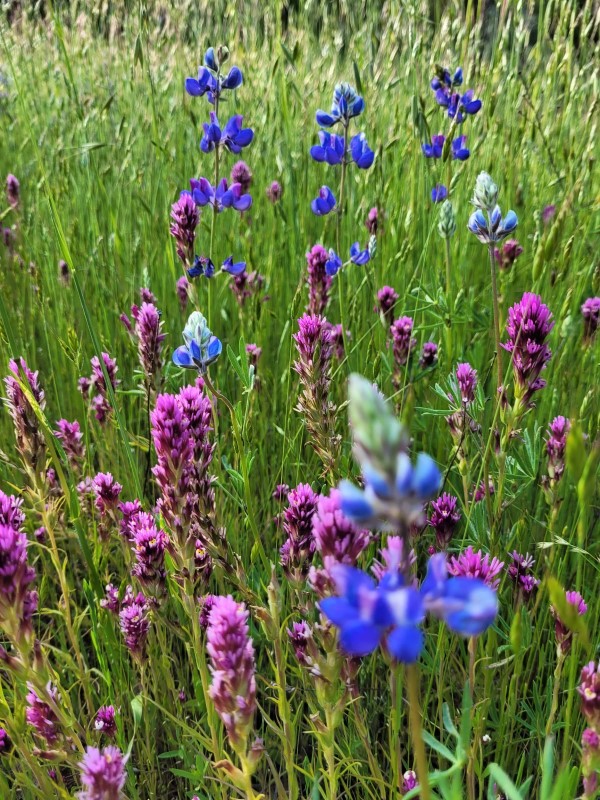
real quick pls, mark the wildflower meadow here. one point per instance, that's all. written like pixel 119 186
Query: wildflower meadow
pixel 299 451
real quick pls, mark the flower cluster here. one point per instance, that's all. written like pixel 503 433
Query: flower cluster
pixel 444 518
pixel 201 347
pixel 29 437
pixel 70 436
pixel 319 282
pixel 471 564
pixel 556 446
pixel 95 389
pixel 134 621
pixel 103 774
pixel 148 334
pixel 18 602
pixel 487 222
pixel 387 297
pixel 105 721
pixel 149 545
pixel 403 345
pixel 590 311
pixel 506 257
pixel 564 635
pixel 297 521
pixel 390 612
pixel 520 572
pixel 40 714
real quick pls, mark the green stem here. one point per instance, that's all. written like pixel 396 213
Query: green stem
pixel 329 749
pixel 338 236
pixel 416 730
pixel 555 690
pixel 449 301
pixel 496 319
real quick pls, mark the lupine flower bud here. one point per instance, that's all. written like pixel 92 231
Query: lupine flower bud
pixel 105 721
pixel 233 687
pixel 103 774
pixel 386 302
pixel 40 715
pixel 183 286
pixel 590 311
pixel 447 220
pixel 485 196
pixel 564 636
pixel 471 564
pixel 185 216
pixel 556 445
pixel 13 191
pixel 429 355
pixel 444 518
pixel 319 283
pixel 30 440
pixel 275 192
pixel 71 438
pixel 297 551
pixel 466 378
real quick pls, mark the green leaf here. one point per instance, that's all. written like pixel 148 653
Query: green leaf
pixel 440 748
pixel 137 708
pixel 576 457
pixel 516 633
pixel 498 776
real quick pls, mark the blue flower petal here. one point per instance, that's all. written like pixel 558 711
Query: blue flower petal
pixel 359 638
pixel 354 503
pixel 338 610
pixel 427 478
pixel 405 643
pixel 182 358
pixel 324 119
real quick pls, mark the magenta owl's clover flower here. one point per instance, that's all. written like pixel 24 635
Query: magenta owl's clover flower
pixel 231 652
pixel 471 564
pixel 387 297
pixel 129 512
pixel 198 411
pixel 183 287
pixel 556 446
pixel 548 213
pixel 429 355
pixel 103 774
pixel 13 191
pixel 395 557
pixel 403 345
pixel 29 437
pixel 5 742
pixel 319 282
pixel 99 402
pixel 147 296
pixel 590 311
pixel 134 621
pixel 274 192
pixel 71 438
pixel 149 338
pixel 336 337
pixel 41 716
pixel 149 545
pixel 300 636
pixel 520 572
pixel 529 324
pixel 206 604
pixel 444 518
pixel 466 378
pixel 409 781
pixel 372 222
pixel 111 601
pixel 107 492
pixel 242 174
pixel 299 547
pixel 185 216
pixel 509 253
pixel 564 636
pixel 105 721
pixel 589 689
pixel 590 763
pixel 18 602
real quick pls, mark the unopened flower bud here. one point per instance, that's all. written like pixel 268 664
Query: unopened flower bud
pixel 485 196
pixel 447 220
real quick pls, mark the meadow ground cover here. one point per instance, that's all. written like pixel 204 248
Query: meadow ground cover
pixel 299 439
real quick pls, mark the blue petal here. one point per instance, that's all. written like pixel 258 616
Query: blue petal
pixel 473 107
pixel 376 481
pixel 359 638
pixel 427 478
pixel 233 80
pixel 338 610
pixel 405 643
pixel 324 119
pixel 436 579
pixel 510 221
pixel 182 358
pixel 214 348
pixel 318 153
pixel 210 59
pixel 354 503
pixel 476 606
pixel 193 88
pixel 405 605
pixel 231 268
pixel 357 107
pixel 404 473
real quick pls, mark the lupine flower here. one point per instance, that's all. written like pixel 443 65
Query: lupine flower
pixel 564 636
pixel 274 192
pixel 357 256
pixel 361 153
pixel 4 741
pixel 485 195
pixel 466 378
pixel 444 81
pixel 528 326
pixel 40 715
pixel 336 539
pixel 233 687
pixel 319 283
pixel 509 253
pixel 436 148
pixel 13 191
pixel 221 196
pixel 471 564
pixel 324 202
pixel 299 546
pixel 150 338
pixel 429 355
pixel 589 689
pixel 496 229
pixel 330 149
pixel 30 440
pixel 201 347
pixel 556 445
pixel 444 518
pixel 233 268
pixel 201 266
pixel 135 625
pixel 182 287
pixel 391 611
pixel 71 438
pixel 519 571
pixel 439 193
pixel 386 302
pixel 458 105
pixel 233 137
pixel 590 310
pixel 315 350
pixel 185 216
pixel 105 721
pixel 210 81
pixel 372 221
pixel 548 213
pixel 242 174
pixel 103 774
pixel 149 545
pixel 346 104
pixel 409 781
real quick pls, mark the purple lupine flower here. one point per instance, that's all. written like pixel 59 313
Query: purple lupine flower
pixel 386 302
pixel 231 652
pixel 394 558
pixel 509 253
pixel 324 202
pixel 520 572
pixel 129 511
pixel 220 196
pixel 315 350
pixel 242 174
pixel 107 492
pixel 336 538
pixel 439 193
pixel 444 518
pixel 274 192
pixel 429 355
pixel 471 564
pixel 564 636
pixel 135 625
pixel 149 545
pixel 319 283
pixel 548 214
pixel 185 216
pixel 372 221
pixel 528 326
pixel 149 337
pixel 300 636
pixel 29 438
pixel 182 287
pixel 4 741
pixel 103 774
pixel 13 191
pixel 556 446
pixel 71 438
pixel 206 605
pixel 409 781
pixel 105 721
pixel 299 547
pixel 589 689
pixel 590 311
pixel 40 715
pixel 403 344
pixel 466 378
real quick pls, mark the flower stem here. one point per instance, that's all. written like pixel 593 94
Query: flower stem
pixel 449 301
pixel 416 730
pixel 496 320
pixel 555 690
